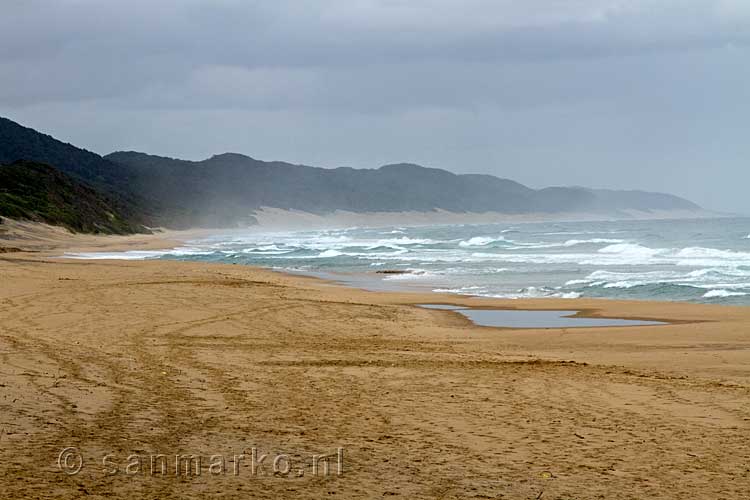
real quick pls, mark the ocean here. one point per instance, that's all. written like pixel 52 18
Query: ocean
pixel 705 260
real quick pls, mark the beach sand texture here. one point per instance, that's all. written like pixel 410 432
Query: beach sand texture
pixel 121 358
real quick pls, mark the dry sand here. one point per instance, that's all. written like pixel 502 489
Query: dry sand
pixel 143 358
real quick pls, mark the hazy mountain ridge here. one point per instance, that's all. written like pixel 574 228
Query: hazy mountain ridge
pixel 227 189
pixel 232 183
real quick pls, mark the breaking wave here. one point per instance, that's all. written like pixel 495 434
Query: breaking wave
pixel 723 294
pixel 674 260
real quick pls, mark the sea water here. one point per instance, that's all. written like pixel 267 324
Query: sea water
pixel 705 260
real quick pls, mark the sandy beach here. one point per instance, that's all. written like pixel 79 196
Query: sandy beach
pixel 109 365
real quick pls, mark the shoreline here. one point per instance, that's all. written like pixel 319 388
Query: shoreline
pixel 46 241
pixel 673 313
pixel 123 358
pixel 606 261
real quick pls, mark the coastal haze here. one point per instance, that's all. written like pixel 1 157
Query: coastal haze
pixel 648 94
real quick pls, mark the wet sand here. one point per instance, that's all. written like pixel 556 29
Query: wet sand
pixel 124 359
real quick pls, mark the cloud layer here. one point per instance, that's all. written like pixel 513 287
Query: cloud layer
pixel 636 94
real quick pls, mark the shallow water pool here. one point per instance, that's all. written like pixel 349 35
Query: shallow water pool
pixel 536 319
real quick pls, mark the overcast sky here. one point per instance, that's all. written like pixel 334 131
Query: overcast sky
pixel 647 94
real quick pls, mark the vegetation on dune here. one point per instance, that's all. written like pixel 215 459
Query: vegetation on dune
pixel 39 192
pixel 115 182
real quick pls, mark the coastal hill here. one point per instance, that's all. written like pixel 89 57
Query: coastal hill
pixel 110 181
pixel 228 189
pixel 38 192
pixel 231 187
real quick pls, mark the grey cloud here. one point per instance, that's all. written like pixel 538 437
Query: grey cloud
pixel 598 92
pixel 112 48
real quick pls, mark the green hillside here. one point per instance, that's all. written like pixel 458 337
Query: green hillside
pixel 39 192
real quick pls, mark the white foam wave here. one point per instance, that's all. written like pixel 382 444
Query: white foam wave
pixel 524 293
pixel 265 250
pixel 327 254
pixel 631 249
pixel 719 272
pixel 411 274
pixel 707 279
pixel 732 286
pixel 409 241
pixel 699 254
pixel 129 255
pixel 480 241
pixel 565 244
pixel 137 254
pixel 572 243
pixel 464 290
pixel 534 292
pixel 713 294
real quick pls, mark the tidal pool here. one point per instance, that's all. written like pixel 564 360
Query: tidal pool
pixel 536 319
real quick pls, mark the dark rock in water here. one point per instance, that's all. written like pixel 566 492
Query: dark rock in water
pixel 394 271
